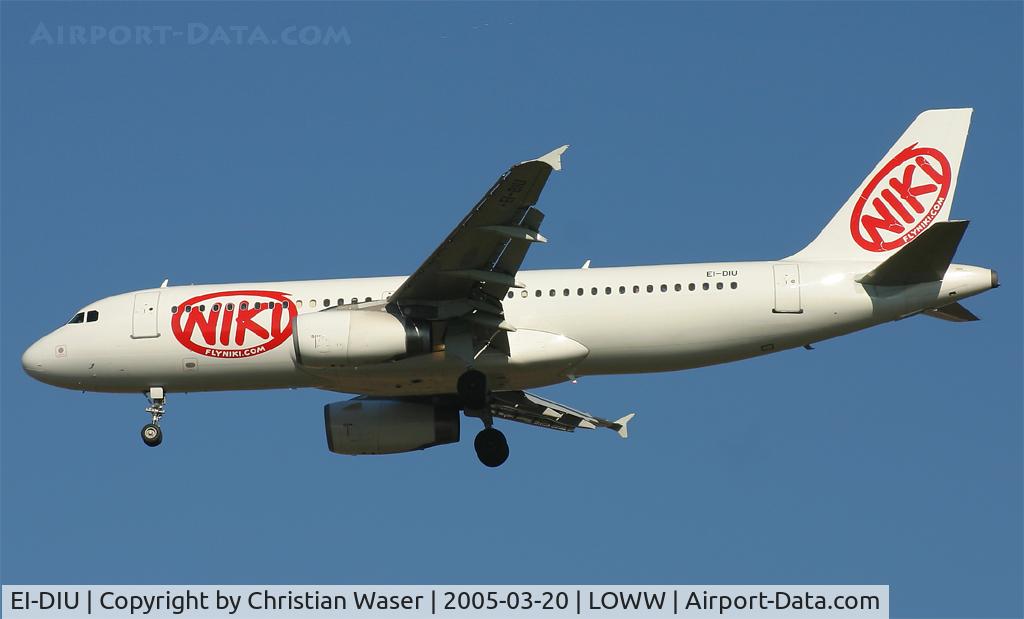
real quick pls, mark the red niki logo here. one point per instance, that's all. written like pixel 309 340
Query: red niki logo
pixel 239 323
pixel 902 200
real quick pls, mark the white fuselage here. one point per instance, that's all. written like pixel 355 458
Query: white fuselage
pixel 569 323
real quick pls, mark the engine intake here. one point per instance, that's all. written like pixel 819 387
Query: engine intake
pixel 335 338
pixel 372 426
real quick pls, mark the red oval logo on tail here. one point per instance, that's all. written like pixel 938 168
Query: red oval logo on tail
pixel 234 324
pixel 902 200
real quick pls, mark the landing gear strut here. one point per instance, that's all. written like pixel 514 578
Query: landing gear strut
pixel 474 396
pixel 151 433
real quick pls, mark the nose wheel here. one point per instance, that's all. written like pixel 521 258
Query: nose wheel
pixel 152 435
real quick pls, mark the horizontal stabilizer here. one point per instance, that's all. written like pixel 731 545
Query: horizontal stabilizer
pixel 953 313
pixel 621 422
pixel 925 259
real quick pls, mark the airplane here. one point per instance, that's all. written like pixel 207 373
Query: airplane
pixel 470 331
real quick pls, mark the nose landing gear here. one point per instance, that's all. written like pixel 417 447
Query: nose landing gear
pixel 151 433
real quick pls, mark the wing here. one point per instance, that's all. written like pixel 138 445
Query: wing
pixel 535 410
pixel 468 275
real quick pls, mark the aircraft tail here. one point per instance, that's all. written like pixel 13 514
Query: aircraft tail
pixel 908 190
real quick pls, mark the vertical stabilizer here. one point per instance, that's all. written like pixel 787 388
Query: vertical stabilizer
pixel 908 190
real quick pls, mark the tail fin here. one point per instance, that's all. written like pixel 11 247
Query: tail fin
pixel 910 189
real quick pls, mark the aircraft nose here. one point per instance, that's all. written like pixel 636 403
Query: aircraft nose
pixel 32 361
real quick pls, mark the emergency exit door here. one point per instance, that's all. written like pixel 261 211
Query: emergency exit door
pixel 144 323
pixel 787 289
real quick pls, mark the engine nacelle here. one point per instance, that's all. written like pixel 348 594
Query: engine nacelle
pixel 371 426
pixel 352 337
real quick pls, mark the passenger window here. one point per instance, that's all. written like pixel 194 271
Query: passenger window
pixel 202 308
pixel 705 286
pixel 565 292
pixel 636 289
pixel 733 285
pixel 312 303
pixel 608 290
pixel 622 290
pixel 692 287
pixel 341 301
pixel 719 285
pixel 355 300
pixel 368 299
pixel 679 287
pixel 77 318
pixel 650 288
pixel 243 305
pixel 174 309
pixel 230 308
pixel 284 304
pixel 257 305
pixel 524 294
pixel 216 307
pixel 538 293
pixel 92 316
pixel 327 302
pixel 593 291
pixel 510 294
pixel 188 308
pixel 579 292
pixel 298 304
pixel 551 292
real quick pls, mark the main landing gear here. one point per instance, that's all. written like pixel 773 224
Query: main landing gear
pixel 490 444
pixel 151 433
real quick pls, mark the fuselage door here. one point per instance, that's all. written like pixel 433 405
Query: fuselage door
pixel 787 289
pixel 144 323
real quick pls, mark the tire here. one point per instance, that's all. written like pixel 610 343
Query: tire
pixel 152 435
pixel 491 447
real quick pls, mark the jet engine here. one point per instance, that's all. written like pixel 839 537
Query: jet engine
pixel 376 426
pixel 335 338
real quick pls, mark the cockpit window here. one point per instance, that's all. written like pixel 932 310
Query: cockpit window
pixel 77 318
pixel 92 316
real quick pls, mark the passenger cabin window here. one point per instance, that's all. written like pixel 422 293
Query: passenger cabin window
pixel 77 318
pixel 92 316
pixel 733 285
pixel 312 303
pixel 622 290
pixel 705 286
pixel 607 289
pixel 341 301
pixel 679 287
pixel 539 293
pixel 327 302
pixel 719 285
pixel 243 305
pixel 664 288
pixel 174 309
pixel 692 287
pixel 650 288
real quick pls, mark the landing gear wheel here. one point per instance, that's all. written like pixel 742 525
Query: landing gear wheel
pixel 491 447
pixel 152 435
pixel 472 388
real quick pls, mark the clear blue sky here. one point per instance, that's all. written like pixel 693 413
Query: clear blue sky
pixel 699 132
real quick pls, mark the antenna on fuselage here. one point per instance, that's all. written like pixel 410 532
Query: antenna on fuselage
pixel 164 283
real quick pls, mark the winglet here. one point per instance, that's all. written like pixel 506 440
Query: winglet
pixel 554 158
pixel 622 424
